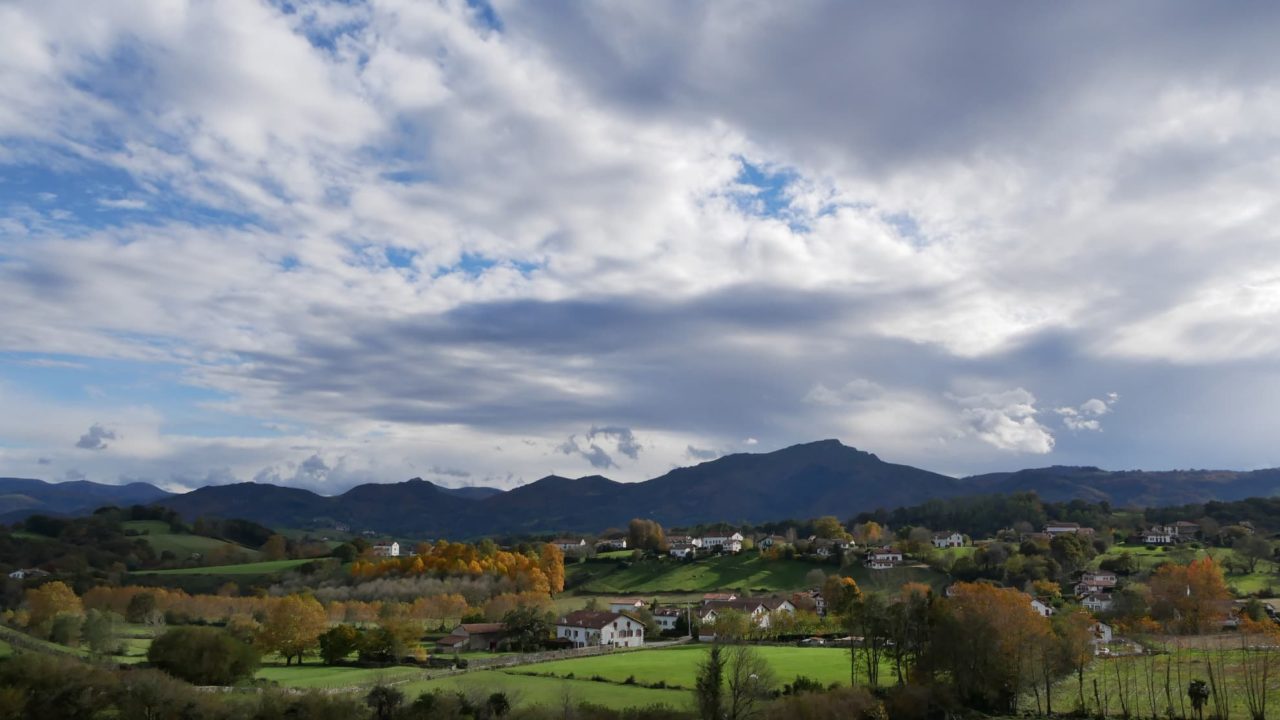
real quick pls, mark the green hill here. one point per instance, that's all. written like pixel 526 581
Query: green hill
pixel 746 571
pixel 158 534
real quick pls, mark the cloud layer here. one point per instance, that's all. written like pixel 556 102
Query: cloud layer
pixel 481 244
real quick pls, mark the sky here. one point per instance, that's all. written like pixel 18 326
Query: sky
pixel 320 243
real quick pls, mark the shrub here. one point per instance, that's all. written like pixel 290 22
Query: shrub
pixel 203 656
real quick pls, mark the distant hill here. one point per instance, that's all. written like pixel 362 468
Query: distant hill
pixel 23 497
pixel 802 481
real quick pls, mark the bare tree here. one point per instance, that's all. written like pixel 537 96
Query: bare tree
pixel 750 682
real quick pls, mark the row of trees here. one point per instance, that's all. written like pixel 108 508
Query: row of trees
pixel 542 571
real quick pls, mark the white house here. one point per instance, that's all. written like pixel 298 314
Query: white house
pixel 1102 633
pixel 588 628
pixel 622 605
pixel 1093 582
pixel 667 617
pixel 27 573
pixel 1185 529
pixel 1042 608
pixel 771 541
pixel 615 543
pixel 1062 528
pixel 730 543
pixel 1098 602
pixel 759 610
pixel 883 558
pixel 682 550
pixel 1158 535
pixel 570 545
pixel 386 549
pixel 948 540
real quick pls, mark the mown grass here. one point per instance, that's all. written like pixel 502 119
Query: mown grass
pixel 317 676
pixel 269 567
pixel 523 690
pixel 679 665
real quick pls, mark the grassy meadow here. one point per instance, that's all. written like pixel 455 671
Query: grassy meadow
pixel 268 567
pixel 158 534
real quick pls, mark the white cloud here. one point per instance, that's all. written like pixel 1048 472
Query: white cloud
pixel 1006 420
pixel 1085 417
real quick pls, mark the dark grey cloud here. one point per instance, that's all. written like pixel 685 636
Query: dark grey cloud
pixel 700 455
pixel 592 453
pixel 448 472
pixel 880 84
pixel 96 438
pixel 44 461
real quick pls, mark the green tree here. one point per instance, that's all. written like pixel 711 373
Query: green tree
pixel 275 548
pixel 99 631
pixel 829 527
pixel 141 608
pixel 1252 549
pixel 384 701
pixel 709 686
pixel 527 629
pixel 338 642
pixel 203 656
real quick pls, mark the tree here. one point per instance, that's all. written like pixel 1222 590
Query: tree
pixel 142 609
pixel 275 548
pixel 840 592
pixel 1189 598
pixel 815 578
pixel 868 533
pixel 1252 549
pixel 46 602
pixel 65 629
pixel 203 656
pixel 646 535
pixel 709 685
pixel 384 701
pixel 338 642
pixel 99 631
pixel 527 629
pixel 293 627
pixel 750 683
pixel 830 528
pixel 551 561
pixel 497 705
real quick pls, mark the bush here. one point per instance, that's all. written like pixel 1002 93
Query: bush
pixel 66 629
pixel 204 656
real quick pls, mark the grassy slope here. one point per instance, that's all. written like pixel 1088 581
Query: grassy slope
pixel 745 571
pixel 269 567
pixel 679 665
pixel 181 544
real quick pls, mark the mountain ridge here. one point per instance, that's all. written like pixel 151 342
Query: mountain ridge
pixel 824 477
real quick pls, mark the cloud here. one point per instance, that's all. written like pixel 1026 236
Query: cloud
pixel 52 363
pixel 1006 420
pixel 44 461
pixel 96 438
pixel 1085 416
pixel 448 472
pixel 623 437
pixel 697 454
pixel 122 203
pixel 855 390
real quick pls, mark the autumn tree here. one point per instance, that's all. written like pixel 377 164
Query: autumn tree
pixel 551 561
pixel 868 533
pixel 829 527
pixel 986 641
pixel 840 592
pixel 50 600
pixel 293 627
pixel 1074 631
pixel 1190 599
pixel 275 548
pixel 646 535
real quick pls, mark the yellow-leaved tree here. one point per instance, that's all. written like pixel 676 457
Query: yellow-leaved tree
pixel 293 627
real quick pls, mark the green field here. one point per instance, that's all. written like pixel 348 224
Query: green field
pixel 5 649
pixel 270 567
pixel 161 539
pixel 551 692
pixel 677 666
pixel 746 572
pixel 317 676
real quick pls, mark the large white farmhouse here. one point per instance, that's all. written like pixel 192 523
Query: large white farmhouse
pixel 589 628
pixel 386 549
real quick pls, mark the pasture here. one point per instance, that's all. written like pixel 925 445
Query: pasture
pixel 269 567
pixel 524 690
pixel 158 534
pixel 314 675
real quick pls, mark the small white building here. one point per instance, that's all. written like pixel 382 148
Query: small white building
pixel 948 540
pixel 884 558
pixel 615 543
pixel 667 617
pixel 25 573
pixel 1158 535
pixel 386 549
pixel 1102 633
pixel 728 543
pixel 1098 602
pixel 682 550
pixel 1094 582
pixel 570 545
pixel 622 605
pixel 760 610
pixel 1042 608
pixel 588 628
pixel 1062 528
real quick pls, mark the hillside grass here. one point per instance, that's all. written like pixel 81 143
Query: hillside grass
pixel 269 567
pixel 746 571
pixel 679 665
pixel 158 534
pixel 524 691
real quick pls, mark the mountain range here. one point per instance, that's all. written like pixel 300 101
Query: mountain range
pixel 802 481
